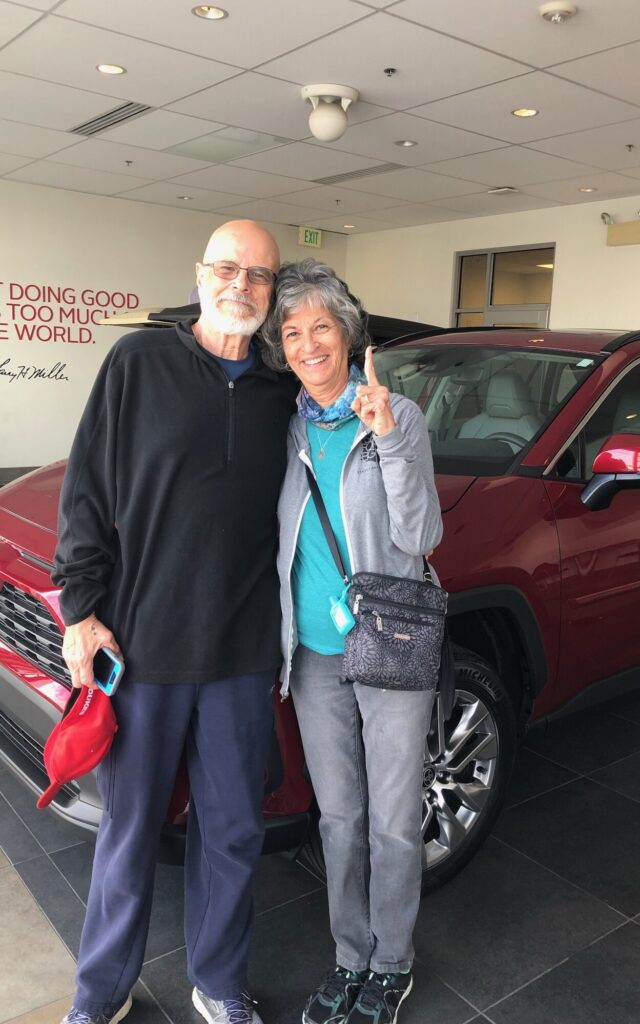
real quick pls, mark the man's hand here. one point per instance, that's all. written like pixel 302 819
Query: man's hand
pixel 79 646
pixel 372 402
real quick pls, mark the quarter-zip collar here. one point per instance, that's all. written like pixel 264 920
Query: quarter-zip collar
pixel 185 333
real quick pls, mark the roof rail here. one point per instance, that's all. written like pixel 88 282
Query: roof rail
pixel 624 339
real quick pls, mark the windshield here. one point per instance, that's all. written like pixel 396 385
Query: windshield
pixel 482 405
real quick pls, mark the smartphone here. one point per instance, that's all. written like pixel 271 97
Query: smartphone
pixel 107 670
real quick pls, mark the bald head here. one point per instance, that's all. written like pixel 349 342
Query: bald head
pixel 257 246
pixel 235 304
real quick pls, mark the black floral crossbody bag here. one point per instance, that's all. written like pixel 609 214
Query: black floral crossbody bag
pixel 399 633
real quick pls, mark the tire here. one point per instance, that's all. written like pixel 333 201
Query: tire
pixel 462 794
pixel 468 764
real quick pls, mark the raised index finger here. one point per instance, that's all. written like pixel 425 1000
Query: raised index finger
pixel 369 368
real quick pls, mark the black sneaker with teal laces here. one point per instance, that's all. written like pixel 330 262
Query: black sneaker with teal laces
pixel 335 996
pixel 380 998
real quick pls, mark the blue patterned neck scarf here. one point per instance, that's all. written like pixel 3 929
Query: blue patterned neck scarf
pixel 338 412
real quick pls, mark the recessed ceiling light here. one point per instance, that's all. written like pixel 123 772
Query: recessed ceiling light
pixel 187 199
pixel 348 225
pixel 585 188
pixel 500 190
pixel 405 142
pixel 545 266
pixel 111 69
pixel 525 112
pixel 209 12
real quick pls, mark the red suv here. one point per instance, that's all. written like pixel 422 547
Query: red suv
pixel 536 444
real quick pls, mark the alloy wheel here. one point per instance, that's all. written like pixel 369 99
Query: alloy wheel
pixel 461 758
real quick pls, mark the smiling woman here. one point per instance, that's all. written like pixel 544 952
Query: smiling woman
pixel 369 453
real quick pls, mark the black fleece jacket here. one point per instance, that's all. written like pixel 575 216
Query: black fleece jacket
pixel 167 525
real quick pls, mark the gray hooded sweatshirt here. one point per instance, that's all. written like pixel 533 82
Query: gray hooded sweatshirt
pixel 388 499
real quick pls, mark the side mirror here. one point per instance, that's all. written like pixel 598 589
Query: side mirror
pixel 616 466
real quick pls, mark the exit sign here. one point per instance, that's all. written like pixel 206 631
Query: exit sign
pixel 310 237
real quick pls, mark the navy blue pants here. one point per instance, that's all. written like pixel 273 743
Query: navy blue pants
pixel 225 726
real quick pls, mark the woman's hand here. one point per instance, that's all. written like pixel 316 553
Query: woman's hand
pixel 372 402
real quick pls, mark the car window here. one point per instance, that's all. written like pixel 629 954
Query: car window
pixel 619 413
pixel 482 405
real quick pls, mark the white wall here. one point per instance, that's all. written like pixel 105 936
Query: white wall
pixel 50 238
pixel 594 286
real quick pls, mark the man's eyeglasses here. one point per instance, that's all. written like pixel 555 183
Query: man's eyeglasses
pixel 228 271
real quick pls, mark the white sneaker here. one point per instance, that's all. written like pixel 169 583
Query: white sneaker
pixel 226 1011
pixel 82 1017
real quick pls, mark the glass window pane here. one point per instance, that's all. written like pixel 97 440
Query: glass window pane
pixel 483 405
pixel 522 277
pixel 473 275
pixel 470 320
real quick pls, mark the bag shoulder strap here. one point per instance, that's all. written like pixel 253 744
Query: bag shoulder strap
pixel 325 523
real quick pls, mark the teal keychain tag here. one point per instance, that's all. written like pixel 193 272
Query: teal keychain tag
pixel 341 615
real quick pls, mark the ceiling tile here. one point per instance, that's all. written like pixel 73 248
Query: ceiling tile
pixel 165 193
pixel 376 4
pixel 633 172
pixel 514 165
pixel 614 72
pixel 67 52
pixel 417 213
pixel 563 106
pixel 79 179
pixel 227 144
pixel 608 185
pixel 253 32
pixel 270 209
pixel 482 205
pixel 300 160
pixel 159 129
pixel 429 65
pixel 14 20
pixel 413 185
pixel 360 225
pixel 515 28
pixel 9 162
pixel 435 141
pixel 48 105
pixel 338 201
pixel 113 157
pixel 38 5
pixel 252 101
pixel 601 147
pixel 27 140
pixel 231 178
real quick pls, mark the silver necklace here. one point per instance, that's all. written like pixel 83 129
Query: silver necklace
pixel 323 446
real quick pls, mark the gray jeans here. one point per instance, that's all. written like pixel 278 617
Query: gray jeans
pixel 365 748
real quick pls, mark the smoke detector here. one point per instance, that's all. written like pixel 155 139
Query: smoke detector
pixel 558 11
pixel 328 119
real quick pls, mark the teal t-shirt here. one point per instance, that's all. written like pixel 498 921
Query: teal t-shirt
pixel 315 578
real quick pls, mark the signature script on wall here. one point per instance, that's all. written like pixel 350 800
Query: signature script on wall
pixel 10 372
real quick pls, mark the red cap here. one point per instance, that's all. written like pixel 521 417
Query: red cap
pixel 80 739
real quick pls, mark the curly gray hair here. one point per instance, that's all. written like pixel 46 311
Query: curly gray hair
pixel 310 282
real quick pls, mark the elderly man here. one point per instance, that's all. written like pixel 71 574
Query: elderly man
pixel 167 553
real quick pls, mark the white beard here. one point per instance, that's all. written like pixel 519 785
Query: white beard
pixel 229 323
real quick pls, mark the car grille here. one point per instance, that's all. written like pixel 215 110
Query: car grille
pixel 29 628
pixel 24 749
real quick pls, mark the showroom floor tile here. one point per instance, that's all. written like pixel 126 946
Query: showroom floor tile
pixel 543 927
